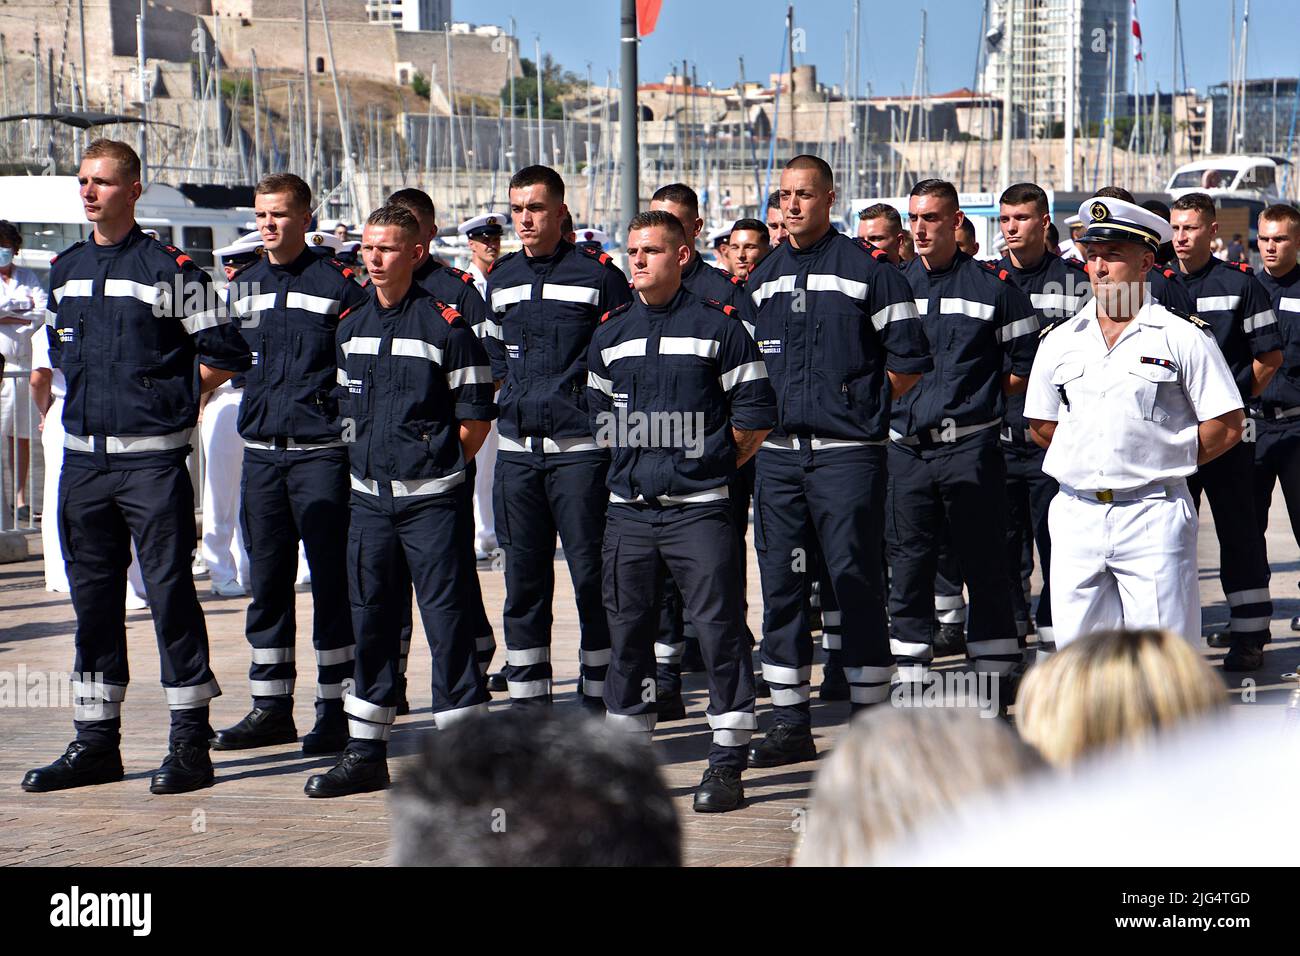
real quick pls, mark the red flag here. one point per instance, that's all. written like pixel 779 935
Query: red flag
pixel 647 15
pixel 1137 31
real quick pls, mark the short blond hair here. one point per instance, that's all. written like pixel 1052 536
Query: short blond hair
pixel 126 158
pixel 1111 688
pixel 897 768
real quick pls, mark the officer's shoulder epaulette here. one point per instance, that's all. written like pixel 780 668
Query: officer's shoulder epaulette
pixel 1195 320
pixel 617 310
pixel 365 283
pixel 76 245
pixel 182 260
pixel 871 250
pixel 242 269
pixel 1244 268
pixel 1051 325
pixel 461 274
pixel 343 268
pixel 994 268
pixel 601 257
pixel 448 312
pixel 728 310
pixel 344 314
pixel 734 280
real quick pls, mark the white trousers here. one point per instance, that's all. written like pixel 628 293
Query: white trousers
pixel 1128 564
pixel 485 529
pixel 56 574
pixel 223 454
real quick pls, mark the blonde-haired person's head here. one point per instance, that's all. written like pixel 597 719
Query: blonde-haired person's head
pixel 1111 688
pixel 897 767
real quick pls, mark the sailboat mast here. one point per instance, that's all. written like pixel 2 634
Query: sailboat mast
pixel 306 96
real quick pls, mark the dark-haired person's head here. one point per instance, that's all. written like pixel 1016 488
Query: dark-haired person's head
pixel 1023 218
pixel 522 789
pixel 749 243
pixel 420 205
pixel 282 211
pixel 11 242
pixel 1279 238
pixel 807 197
pixel 1053 237
pixel 392 245
pixel 109 177
pixel 934 213
pixel 966 239
pixel 657 252
pixel 1115 192
pixel 1195 224
pixel 680 200
pixel 1165 254
pixel 776 231
pixel 882 226
pixel 537 209
pixel 567 229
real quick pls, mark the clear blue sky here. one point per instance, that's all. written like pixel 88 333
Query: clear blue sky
pixel 713 33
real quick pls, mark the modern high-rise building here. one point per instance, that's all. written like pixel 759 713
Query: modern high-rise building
pixel 1057 48
pixel 410 14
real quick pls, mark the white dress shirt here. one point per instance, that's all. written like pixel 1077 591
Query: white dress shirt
pixel 1127 415
pixel 21 297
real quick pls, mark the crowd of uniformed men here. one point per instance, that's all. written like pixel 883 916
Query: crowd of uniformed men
pixel 866 395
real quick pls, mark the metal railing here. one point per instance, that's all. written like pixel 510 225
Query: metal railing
pixel 21 456
pixel 24 513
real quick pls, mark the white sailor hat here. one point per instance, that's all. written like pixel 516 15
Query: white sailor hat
pixel 1114 220
pixel 489 224
pixel 592 237
pixel 1072 222
pixel 245 247
pixel 716 236
pixel 323 243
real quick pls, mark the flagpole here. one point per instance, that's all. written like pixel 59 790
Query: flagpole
pixel 630 191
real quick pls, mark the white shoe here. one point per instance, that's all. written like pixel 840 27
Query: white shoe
pixel 229 589
pixel 134 603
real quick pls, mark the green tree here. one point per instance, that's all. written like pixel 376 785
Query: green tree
pixel 556 82
pixel 420 85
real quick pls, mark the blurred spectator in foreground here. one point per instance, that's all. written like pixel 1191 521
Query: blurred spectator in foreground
pixel 523 789
pixel 1162 803
pixel 895 768
pixel 1113 687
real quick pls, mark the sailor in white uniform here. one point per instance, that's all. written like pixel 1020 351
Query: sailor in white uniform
pixel 1070 249
pixel 483 233
pixel 1128 398
pixel 222 546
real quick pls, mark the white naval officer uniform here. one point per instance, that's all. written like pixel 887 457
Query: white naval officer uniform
pixel 222 546
pixel 1123 526
pixel 485 532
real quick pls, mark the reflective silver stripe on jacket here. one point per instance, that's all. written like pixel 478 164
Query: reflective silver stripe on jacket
pixel 288 444
pixel 549 446
pixel 794 443
pixel 940 435
pixel 410 487
pixel 125 444
pixel 699 497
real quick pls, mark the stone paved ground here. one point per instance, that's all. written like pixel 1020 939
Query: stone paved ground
pixel 257 814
